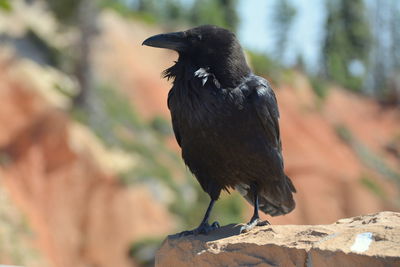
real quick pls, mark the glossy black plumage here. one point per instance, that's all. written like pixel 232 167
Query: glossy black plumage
pixel 225 119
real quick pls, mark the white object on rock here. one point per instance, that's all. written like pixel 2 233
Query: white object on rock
pixel 362 242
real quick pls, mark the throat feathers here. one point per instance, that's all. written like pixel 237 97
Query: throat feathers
pixel 203 74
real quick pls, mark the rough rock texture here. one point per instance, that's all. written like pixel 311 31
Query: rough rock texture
pixel 370 240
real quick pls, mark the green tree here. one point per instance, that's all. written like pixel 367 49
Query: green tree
pixel 64 10
pixel 173 12
pixel 395 51
pixel 146 6
pixel 218 12
pixel 347 43
pixel 83 15
pixel 5 5
pixel 231 16
pixel 384 70
pixel 284 13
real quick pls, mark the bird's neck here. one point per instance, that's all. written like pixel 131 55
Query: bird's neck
pixel 229 73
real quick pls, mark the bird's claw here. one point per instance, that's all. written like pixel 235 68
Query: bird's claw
pixel 253 223
pixel 203 229
pixel 215 225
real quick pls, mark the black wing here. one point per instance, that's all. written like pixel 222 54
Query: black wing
pixel 266 107
pixel 173 119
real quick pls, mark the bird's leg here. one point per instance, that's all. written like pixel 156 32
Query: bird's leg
pixel 255 219
pixel 204 227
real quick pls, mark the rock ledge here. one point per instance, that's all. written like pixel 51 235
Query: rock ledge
pixel 370 240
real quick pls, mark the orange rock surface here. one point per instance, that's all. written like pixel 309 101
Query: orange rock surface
pixel 79 212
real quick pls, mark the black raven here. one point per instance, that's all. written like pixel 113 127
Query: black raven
pixel 225 120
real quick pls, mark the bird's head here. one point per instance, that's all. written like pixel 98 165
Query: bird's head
pixel 209 47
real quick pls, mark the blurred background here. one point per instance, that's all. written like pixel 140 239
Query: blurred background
pixel 90 173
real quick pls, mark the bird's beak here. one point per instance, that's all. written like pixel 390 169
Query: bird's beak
pixel 174 40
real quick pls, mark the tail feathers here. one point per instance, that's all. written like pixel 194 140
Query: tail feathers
pixel 271 207
pixel 290 184
pixel 276 199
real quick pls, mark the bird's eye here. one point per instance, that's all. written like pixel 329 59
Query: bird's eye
pixel 195 38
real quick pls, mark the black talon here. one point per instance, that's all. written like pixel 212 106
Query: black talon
pixel 215 225
pixel 204 227
pixel 255 220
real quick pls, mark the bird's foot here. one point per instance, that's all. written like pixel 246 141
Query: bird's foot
pixel 203 229
pixel 253 223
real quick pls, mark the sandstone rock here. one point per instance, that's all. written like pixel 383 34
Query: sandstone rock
pixel 370 240
pixel 63 180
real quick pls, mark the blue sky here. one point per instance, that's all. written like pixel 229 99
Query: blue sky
pixel 256 30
